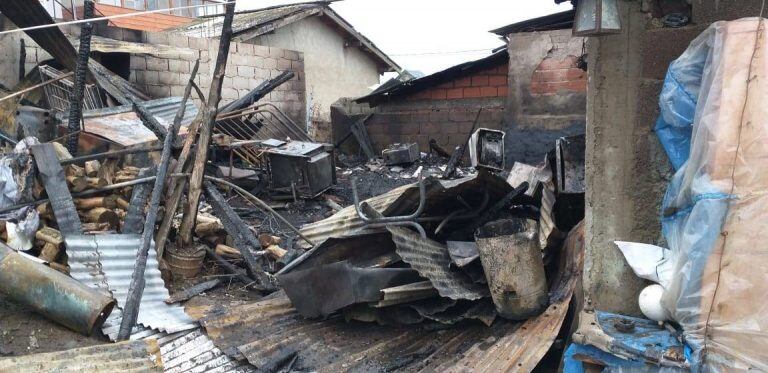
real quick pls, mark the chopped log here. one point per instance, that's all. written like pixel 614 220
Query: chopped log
pixel 102 215
pixel 275 252
pixel 122 204
pixel 92 168
pixel 228 252
pixel 208 228
pixel 77 183
pixel 95 182
pixel 188 293
pixel 95 227
pixel 50 235
pixel 109 202
pixel 61 151
pixel 267 240
pixel 107 170
pixel 49 252
pixel 74 170
pixel 45 211
pixel 121 177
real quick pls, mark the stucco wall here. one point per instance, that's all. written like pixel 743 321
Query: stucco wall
pixel 332 69
pixel 627 171
pixel 547 92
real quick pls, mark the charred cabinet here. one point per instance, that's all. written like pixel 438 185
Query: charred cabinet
pixel 305 168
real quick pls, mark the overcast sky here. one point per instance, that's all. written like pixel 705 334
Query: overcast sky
pixel 431 35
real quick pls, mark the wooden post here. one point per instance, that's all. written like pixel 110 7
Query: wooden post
pixel 136 288
pixel 76 97
pixel 209 119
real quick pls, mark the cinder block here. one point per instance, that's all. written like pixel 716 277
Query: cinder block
pixel 157 64
pixel 430 128
pixel 240 83
pixel 168 78
pixel 260 50
pixel 276 52
pixel 244 49
pixel 156 38
pixel 138 62
pixel 178 66
pixel 283 64
pixel 246 72
pixel 198 44
pixel 229 94
pixel 158 91
pixel 151 77
pixel 291 55
pixel 269 63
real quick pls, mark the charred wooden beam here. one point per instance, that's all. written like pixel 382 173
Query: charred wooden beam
pixel 135 216
pixel 52 175
pixel 206 129
pixel 190 292
pixel 109 154
pixel 22 59
pixel 258 93
pixel 76 96
pixel 229 267
pixel 245 241
pixel 136 288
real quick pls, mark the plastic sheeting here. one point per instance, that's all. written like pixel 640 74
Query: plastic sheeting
pixel 716 207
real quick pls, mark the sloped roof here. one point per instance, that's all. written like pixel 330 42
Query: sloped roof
pixel 556 21
pixel 395 89
pixel 253 23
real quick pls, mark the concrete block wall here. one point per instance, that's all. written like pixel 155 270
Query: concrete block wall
pixel 547 92
pixel 247 66
pixel 448 121
pixel 9 57
pixel 444 112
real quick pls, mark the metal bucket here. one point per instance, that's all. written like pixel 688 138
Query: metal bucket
pixel 511 258
pixel 52 294
pixel 184 264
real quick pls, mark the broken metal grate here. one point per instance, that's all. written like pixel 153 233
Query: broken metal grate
pixel 57 93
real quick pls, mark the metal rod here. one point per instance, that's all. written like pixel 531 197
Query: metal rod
pixel 36 86
pixel 391 219
pixel 261 204
pixel 110 154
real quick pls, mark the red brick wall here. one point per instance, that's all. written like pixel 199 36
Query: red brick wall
pixel 557 75
pixel 490 82
pixel 444 113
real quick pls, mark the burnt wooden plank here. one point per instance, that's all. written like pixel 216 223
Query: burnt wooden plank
pixel 134 218
pixel 52 175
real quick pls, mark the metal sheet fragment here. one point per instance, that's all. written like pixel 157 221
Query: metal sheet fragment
pixel 130 356
pixel 431 260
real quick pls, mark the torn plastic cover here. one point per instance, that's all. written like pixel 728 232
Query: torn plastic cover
pixel 650 262
pixel 677 101
pixel 715 208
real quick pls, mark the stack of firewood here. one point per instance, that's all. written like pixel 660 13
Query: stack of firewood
pixel 209 229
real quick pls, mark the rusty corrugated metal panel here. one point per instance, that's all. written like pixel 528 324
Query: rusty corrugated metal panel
pixel 431 260
pixel 522 350
pixel 256 331
pixel 131 356
pixel 441 200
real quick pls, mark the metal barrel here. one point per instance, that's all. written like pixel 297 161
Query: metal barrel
pixel 511 258
pixel 52 294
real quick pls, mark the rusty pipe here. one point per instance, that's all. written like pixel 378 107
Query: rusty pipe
pixel 52 294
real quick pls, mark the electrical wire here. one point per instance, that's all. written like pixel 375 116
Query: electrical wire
pixel 107 18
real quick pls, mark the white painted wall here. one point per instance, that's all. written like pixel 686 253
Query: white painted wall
pixel 332 71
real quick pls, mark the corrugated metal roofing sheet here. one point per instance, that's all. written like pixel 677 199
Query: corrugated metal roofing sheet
pixel 257 331
pixel 441 199
pixel 109 259
pixel 431 260
pixel 131 356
